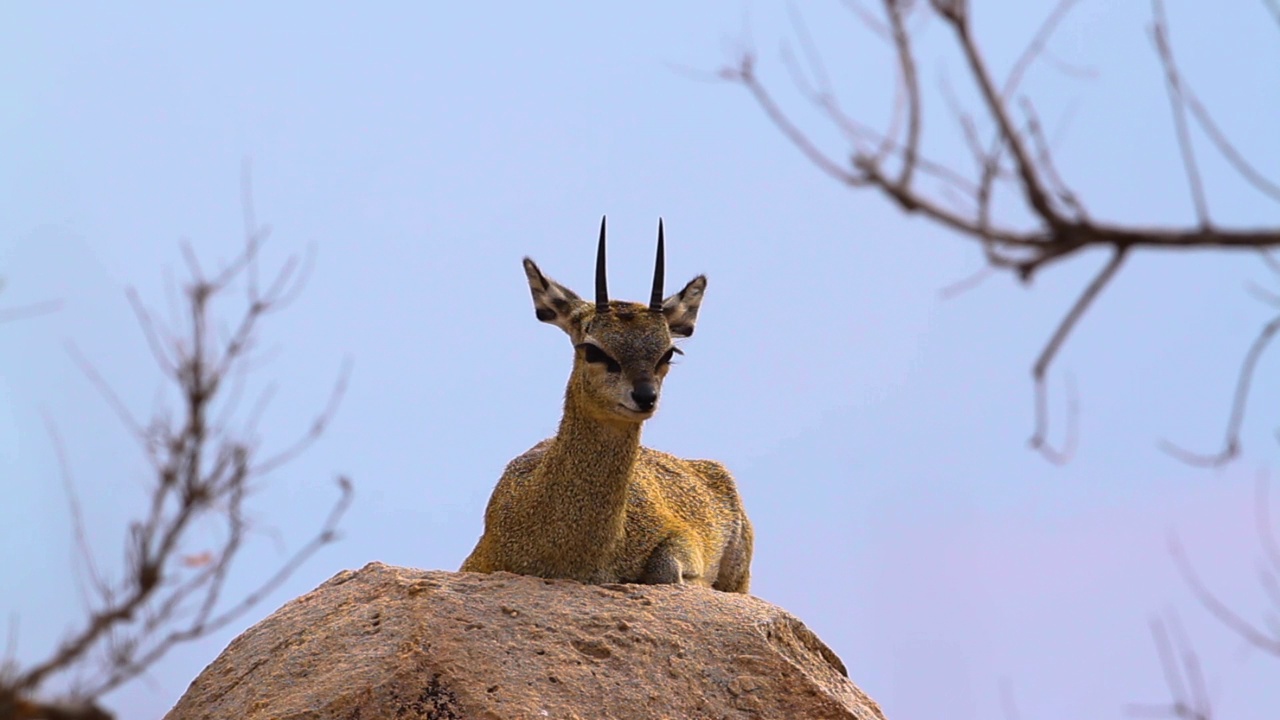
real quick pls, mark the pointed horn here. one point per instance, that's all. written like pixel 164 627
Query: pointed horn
pixel 659 270
pixel 602 285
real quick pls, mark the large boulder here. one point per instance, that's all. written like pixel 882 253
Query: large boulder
pixel 389 642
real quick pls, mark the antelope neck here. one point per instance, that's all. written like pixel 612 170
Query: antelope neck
pixel 611 447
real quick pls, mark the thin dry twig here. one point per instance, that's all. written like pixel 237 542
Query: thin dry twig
pixel 812 57
pixel 1239 403
pixel 1274 7
pixel 1177 102
pixel 1182 675
pixel 1044 157
pixel 1260 182
pixel 1039 440
pixel 967 283
pixel 1032 185
pixel 1054 345
pixel 1259 638
pixel 911 83
pixel 117 405
pixel 1017 158
pixel 1036 48
pixel 1269 568
pixel 22 312
pixel 1190 697
pixel 869 19
pixel 745 73
pixel 204 473
pixel 84 554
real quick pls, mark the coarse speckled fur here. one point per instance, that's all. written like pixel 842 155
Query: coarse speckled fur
pixel 591 503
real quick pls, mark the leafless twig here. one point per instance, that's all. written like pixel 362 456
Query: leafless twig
pixel 1263 640
pixel 1182 675
pixel 1239 402
pixel 205 471
pixel 966 283
pixel 1177 100
pixel 1051 348
pixel 1018 158
pixel 28 311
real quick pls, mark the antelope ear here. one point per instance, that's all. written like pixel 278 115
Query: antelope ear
pixel 552 302
pixel 681 309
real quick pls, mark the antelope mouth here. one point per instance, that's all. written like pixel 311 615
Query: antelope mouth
pixel 636 412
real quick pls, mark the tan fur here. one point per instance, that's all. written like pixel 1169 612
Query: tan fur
pixel 591 503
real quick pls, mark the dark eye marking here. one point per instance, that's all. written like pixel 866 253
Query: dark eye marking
pixel 666 357
pixel 593 354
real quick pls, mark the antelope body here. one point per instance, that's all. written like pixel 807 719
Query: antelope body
pixel 592 504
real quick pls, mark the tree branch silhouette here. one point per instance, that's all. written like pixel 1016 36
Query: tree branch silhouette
pixel 173 588
pixel 896 164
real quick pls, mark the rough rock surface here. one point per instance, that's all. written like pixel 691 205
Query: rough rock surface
pixel 388 642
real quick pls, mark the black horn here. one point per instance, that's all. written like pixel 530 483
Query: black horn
pixel 659 269
pixel 602 285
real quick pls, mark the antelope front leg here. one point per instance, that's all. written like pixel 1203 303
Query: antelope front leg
pixel 667 565
pixel 663 567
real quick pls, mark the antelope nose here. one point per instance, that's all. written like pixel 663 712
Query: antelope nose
pixel 645 396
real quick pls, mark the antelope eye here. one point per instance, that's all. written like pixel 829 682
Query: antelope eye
pixel 666 358
pixel 594 354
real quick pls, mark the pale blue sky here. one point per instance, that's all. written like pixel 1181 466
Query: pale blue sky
pixel 877 431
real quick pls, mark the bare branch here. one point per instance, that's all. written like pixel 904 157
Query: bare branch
pixel 1051 348
pixel 318 426
pixel 254 234
pixel 1182 675
pixel 77 515
pixel 206 622
pixel 1159 35
pixel 1018 157
pixel 158 351
pixel 745 73
pixel 22 312
pixel 987 161
pixel 1032 185
pixel 104 389
pixel 204 473
pixel 812 58
pixel 1168 661
pixel 1225 615
pixel 1228 149
pixel 967 283
pixel 1036 47
pixel 869 19
pixel 1274 7
pixel 1039 440
pixel 907 76
pixel 1198 692
pixel 1239 402
pixel 1044 157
